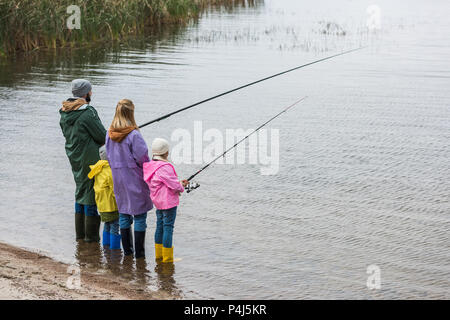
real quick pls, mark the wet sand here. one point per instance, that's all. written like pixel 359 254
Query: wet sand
pixel 30 275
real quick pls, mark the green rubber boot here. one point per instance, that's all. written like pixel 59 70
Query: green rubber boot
pixel 92 229
pixel 79 226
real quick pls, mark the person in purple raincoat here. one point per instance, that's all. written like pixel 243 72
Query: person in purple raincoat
pixel 127 151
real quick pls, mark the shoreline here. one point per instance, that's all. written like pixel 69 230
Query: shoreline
pixel 27 275
pixel 61 24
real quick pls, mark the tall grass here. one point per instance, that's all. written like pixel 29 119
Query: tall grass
pixel 27 25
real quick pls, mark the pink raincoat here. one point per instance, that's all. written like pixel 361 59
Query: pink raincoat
pixel 164 184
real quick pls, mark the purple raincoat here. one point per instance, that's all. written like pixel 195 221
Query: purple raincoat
pixel 126 159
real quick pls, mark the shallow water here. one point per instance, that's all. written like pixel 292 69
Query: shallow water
pixel 363 177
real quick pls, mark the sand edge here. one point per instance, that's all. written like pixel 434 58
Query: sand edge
pixel 30 275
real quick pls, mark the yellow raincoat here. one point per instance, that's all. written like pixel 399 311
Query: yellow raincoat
pixel 103 187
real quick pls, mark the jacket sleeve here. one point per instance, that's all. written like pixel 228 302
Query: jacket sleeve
pixel 93 125
pixel 169 178
pixel 139 149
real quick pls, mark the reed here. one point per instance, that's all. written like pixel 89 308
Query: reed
pixel 27 25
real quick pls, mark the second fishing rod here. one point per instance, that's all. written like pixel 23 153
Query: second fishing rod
pixel 246 85
pixel 193 185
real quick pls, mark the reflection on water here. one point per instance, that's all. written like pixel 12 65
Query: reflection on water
pixel 23 67
pixel 89 255
pixel 166 281
pixel 364 166
pixel 94 257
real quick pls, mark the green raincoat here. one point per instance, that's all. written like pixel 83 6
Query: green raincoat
pixel 84 133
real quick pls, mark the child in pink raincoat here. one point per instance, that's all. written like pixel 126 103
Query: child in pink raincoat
pixel 165 190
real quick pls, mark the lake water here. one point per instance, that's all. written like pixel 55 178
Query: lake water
pixel 363 178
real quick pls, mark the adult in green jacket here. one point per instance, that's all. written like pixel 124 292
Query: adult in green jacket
pixel 84 133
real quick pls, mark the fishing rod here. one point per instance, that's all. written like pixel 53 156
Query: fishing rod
pixel 193 186
pixel 246 85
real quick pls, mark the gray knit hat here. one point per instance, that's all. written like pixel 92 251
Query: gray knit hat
pixel 80 87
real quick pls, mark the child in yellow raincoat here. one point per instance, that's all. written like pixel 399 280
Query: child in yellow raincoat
pixel 105 200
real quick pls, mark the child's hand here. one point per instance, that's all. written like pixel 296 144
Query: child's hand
pixel 184 183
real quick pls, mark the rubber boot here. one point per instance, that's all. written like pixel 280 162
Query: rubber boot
pixel 158 251
pixel 167 254
pixel 114 241
pixel 92 225
pixel 139 244
pixel 79 226
pixel 106 238
pixel 127 241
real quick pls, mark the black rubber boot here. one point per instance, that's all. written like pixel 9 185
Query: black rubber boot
pixel 127 241
pixel 79 226
pixel 139 244
pixel 92 226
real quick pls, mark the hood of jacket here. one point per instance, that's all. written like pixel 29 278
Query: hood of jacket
pixel 97 168
pixel 151 167
pixel 72 104
pixel 71 110
pixel 119 134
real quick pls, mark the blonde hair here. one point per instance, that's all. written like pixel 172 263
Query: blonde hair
pixel 124 116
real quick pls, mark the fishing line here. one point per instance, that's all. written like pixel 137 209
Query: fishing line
pixel 192 186
pixel 246 85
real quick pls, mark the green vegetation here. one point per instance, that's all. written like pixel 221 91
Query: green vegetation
pixel 27 25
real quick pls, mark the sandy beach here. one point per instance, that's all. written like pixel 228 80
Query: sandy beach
pixel 30 275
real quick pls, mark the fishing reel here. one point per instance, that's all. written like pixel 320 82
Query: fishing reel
pixel 191 186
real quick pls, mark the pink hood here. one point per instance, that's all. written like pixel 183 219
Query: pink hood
pixel 163 182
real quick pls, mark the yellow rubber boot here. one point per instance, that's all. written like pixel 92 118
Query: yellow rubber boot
pixel 158 251
pixel 167 254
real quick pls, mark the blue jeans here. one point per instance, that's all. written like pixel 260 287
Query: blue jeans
pixel 88 210
pixel 165 220
pixel 140 223
pixel 112 227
